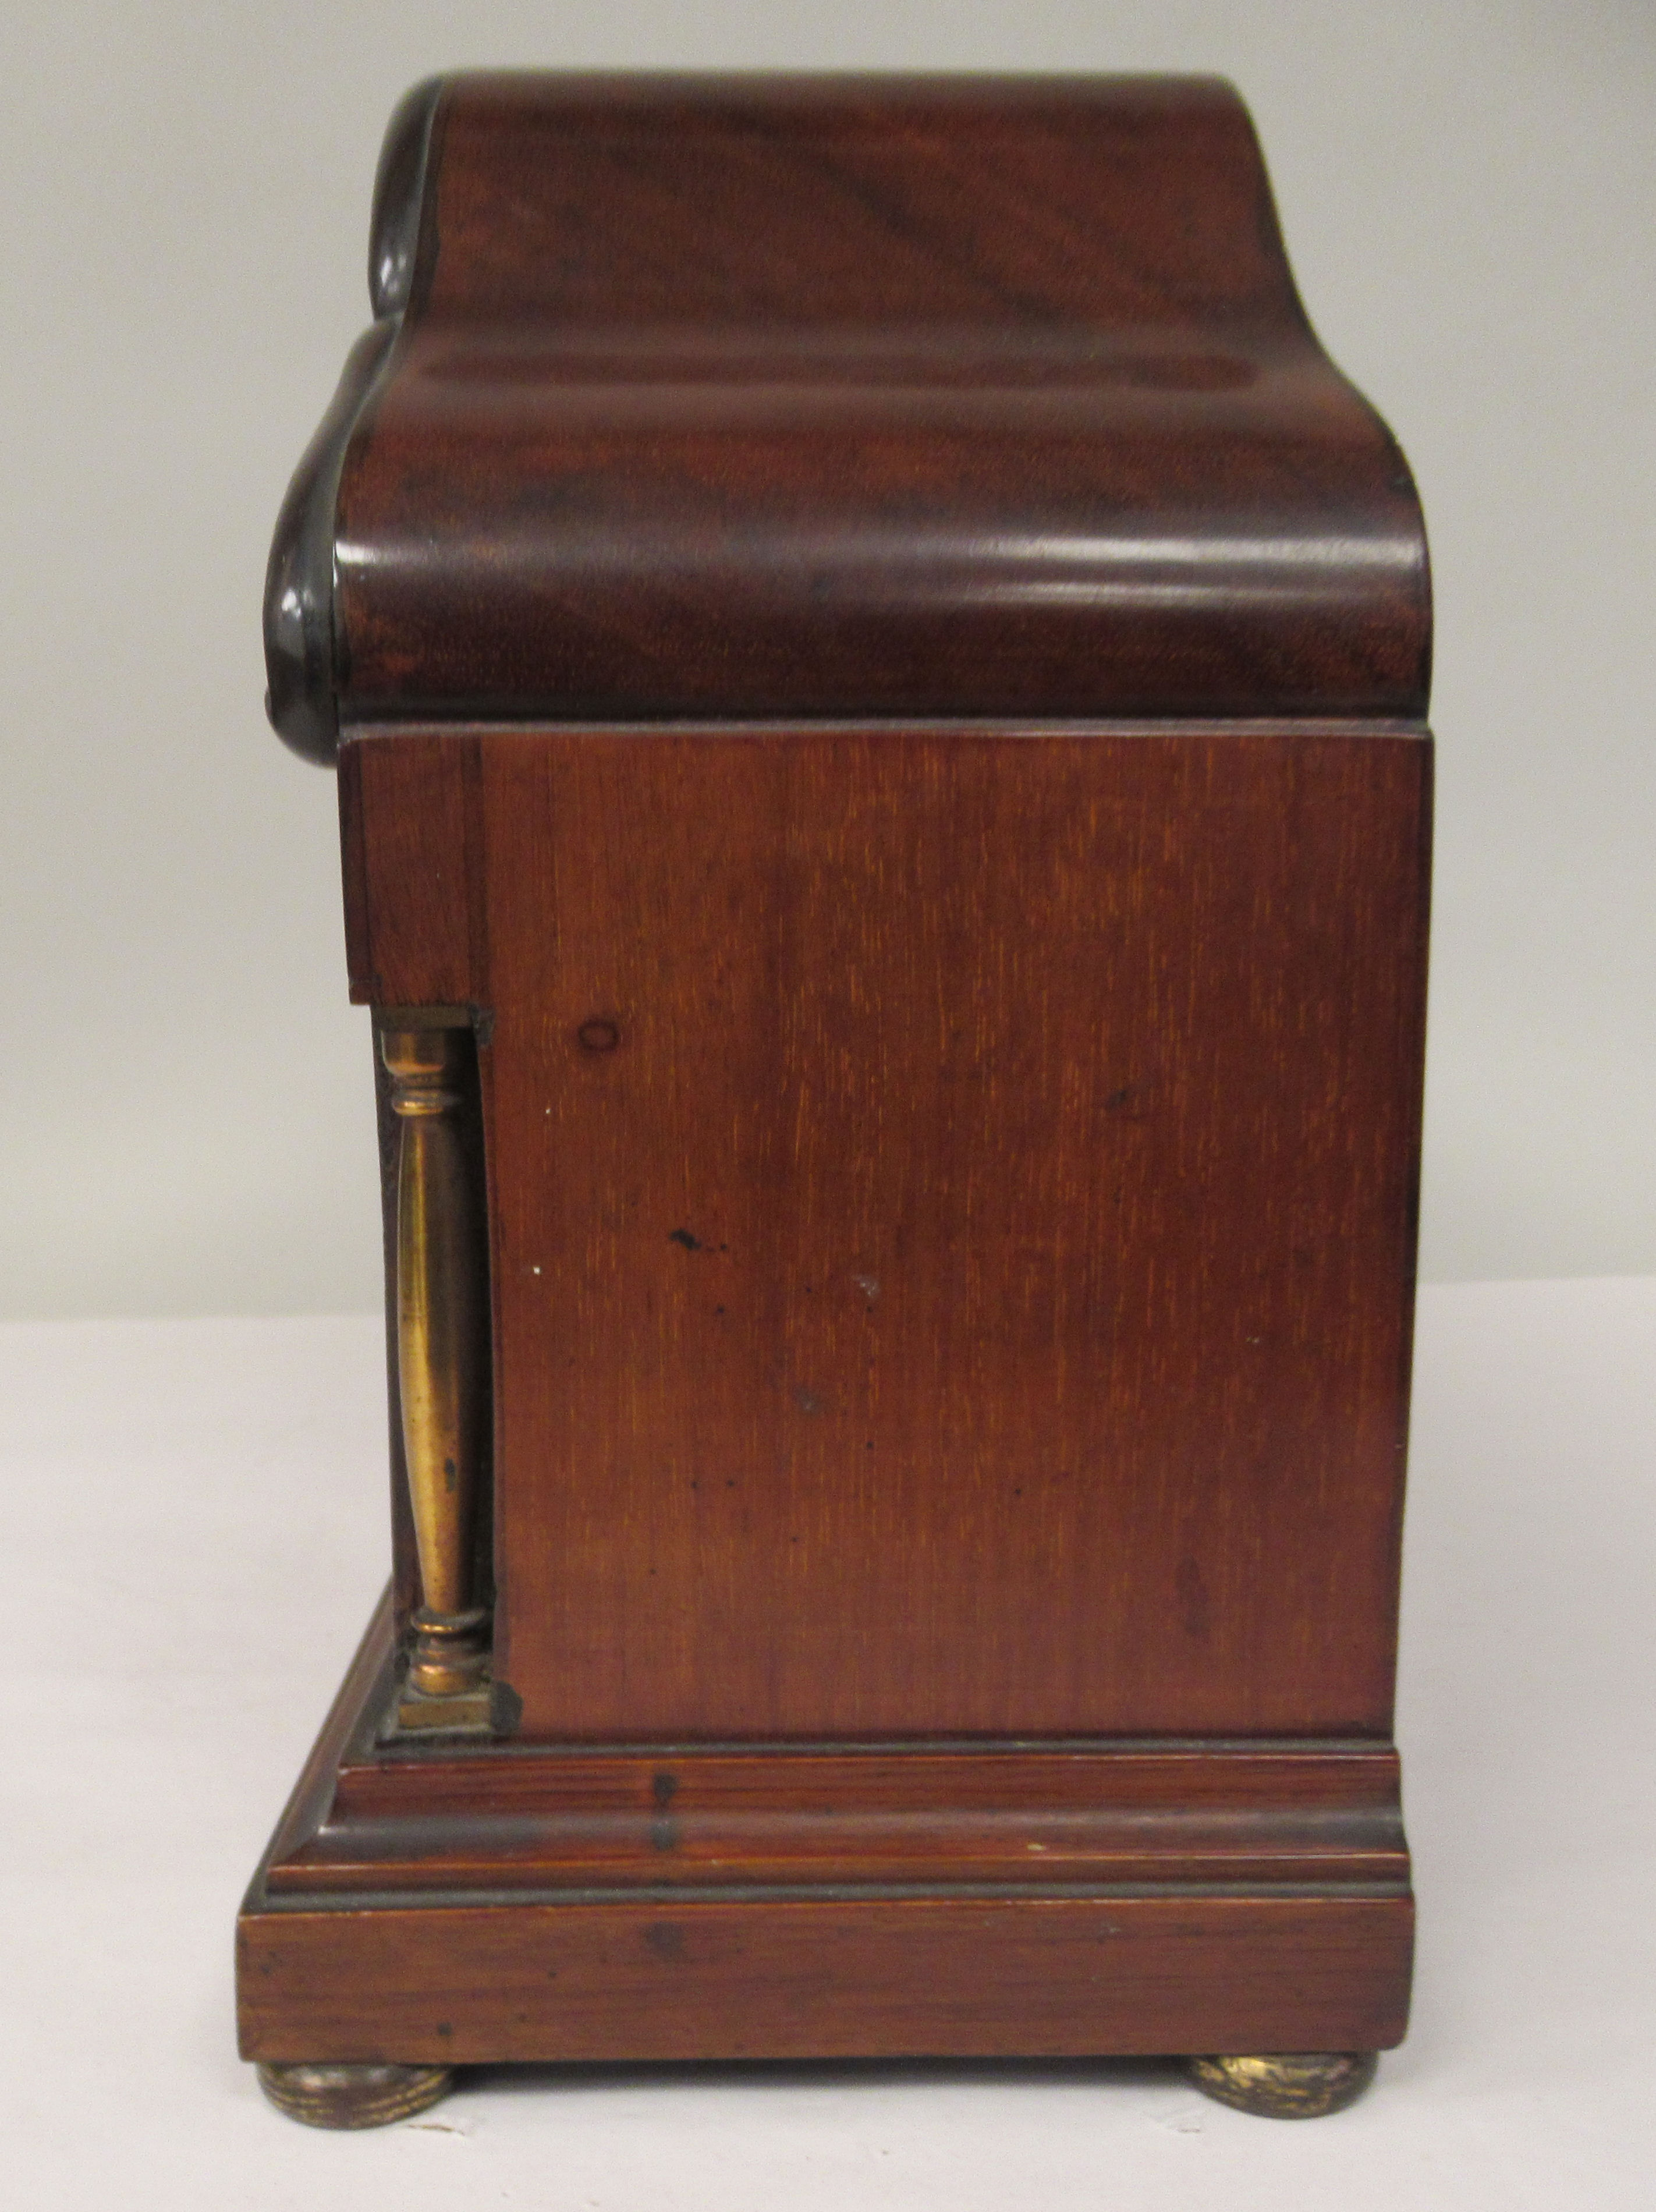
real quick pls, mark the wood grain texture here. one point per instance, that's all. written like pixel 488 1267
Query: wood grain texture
pixel 749 396
pixel 966 1289
pixel 880 669
pixel 1026 1901
pixel 1021 1844
pixel 495 1902
pixel 424 1819
pixel 826 1978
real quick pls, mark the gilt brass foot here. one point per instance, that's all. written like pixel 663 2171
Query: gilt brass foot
pixel 354 2096
pixel 1291 2085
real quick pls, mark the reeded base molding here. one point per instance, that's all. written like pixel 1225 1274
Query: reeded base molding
pixel 364 2096
pixel 1288 2085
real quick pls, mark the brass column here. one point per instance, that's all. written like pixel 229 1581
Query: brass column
pixel 442 1336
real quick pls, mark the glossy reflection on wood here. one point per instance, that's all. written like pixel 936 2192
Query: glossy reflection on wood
pixel 876 670
pixel 768 397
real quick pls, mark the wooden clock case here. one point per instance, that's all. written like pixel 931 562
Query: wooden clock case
pixel 876 675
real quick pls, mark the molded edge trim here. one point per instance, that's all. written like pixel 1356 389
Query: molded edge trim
pixel 366 1687
pixel 301 700
pixel 307 660
pixel 300 647
pixel 452 1823
pixel 399 192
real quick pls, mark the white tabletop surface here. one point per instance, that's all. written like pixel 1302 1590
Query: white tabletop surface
pixel 194 1533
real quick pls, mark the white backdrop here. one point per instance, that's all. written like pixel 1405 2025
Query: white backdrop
pixel 1467 194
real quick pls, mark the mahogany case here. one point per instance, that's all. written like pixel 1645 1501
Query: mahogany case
pixel 877 674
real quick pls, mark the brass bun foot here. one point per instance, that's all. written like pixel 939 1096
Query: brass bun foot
pixel 354 2096
pixel 1291 2085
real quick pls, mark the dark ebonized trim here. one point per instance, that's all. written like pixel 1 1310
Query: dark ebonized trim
pixel 301 700
pixel 301 657
pixel 399 192
pixel 1334 1891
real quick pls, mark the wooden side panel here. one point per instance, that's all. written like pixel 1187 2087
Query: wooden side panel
pixel 416 925
pixel 694 1978
pixel 954 1215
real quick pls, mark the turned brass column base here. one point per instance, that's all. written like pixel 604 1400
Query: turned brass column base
pixel 1300 2085
pixel 448 1683
pixel 449 1656
pixel 354 2096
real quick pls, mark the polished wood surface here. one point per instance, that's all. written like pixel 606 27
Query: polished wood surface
pixel 953 1202
pixel 877 674
pixel 440 1821
pixel 510 1905
pixel 828 1977
pixel 751 396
